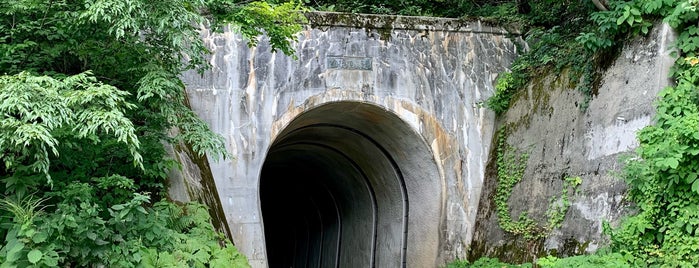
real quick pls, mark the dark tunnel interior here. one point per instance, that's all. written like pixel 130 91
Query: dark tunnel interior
pixel 333 191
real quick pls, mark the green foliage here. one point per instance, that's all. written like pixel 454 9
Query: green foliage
pixel 538 12
pixel 549 49
pixel 611 260
pixel 36 107
pixel 663 182
pixel 550 29
pixel 278 22
pixel 486 263
pixel 603 260
pixel 78 231
pixel 663 177
pixel 501 13
pixel 441 8
pixel 458 263
pixel 89 94
pixel 505 88
pixel 630 18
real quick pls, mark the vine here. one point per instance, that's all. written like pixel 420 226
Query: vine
pixel 558 207
pixel 511 166
pixel 510 169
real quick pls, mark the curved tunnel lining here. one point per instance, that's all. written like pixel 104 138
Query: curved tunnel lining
pixel 399 174
pixel 396 169
pixel 308 138
pixel 367 183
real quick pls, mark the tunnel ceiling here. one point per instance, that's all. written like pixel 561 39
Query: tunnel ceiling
pixel 349 184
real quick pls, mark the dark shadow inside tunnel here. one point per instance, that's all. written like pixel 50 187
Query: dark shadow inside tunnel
pixel 335 190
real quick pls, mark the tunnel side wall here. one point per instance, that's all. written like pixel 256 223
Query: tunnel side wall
pixel 432 73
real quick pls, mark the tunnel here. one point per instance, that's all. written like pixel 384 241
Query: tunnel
pixel 350 184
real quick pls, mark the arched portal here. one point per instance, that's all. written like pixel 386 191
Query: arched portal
pixel 350 184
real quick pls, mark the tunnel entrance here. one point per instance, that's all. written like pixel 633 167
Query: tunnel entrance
pixel 350 184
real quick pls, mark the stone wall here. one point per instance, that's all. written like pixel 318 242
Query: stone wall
pixel 547 123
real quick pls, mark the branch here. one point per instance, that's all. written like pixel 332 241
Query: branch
pixel 601 4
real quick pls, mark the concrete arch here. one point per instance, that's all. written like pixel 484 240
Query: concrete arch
pixel 350 184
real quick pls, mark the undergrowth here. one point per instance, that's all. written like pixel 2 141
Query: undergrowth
pixel 606 260
pixel 90 95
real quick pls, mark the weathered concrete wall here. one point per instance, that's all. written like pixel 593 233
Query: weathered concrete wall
pixel 562 141
pixel 430 73
pixel 192 181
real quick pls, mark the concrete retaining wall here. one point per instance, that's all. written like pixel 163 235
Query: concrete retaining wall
pixel 547 123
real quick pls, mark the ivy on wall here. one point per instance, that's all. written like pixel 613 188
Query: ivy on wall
pixel 510 169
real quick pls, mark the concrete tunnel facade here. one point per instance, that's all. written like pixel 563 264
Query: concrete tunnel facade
pixel 349 184
pixel 368 150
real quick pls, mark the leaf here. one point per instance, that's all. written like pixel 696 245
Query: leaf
pixel 14 249
pixel 652 5
pixel 91 236
pixel 673 163
pixel 150 236
pixel 635 12
pixel 621 19
pixel 669 162
pixel 691 177
pixel 695 186
pixel 50 259
pixel 141 209
pixel 39 237
pixel 34 256
pixel 30 232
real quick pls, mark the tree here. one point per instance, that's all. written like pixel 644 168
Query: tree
pixel 88 92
